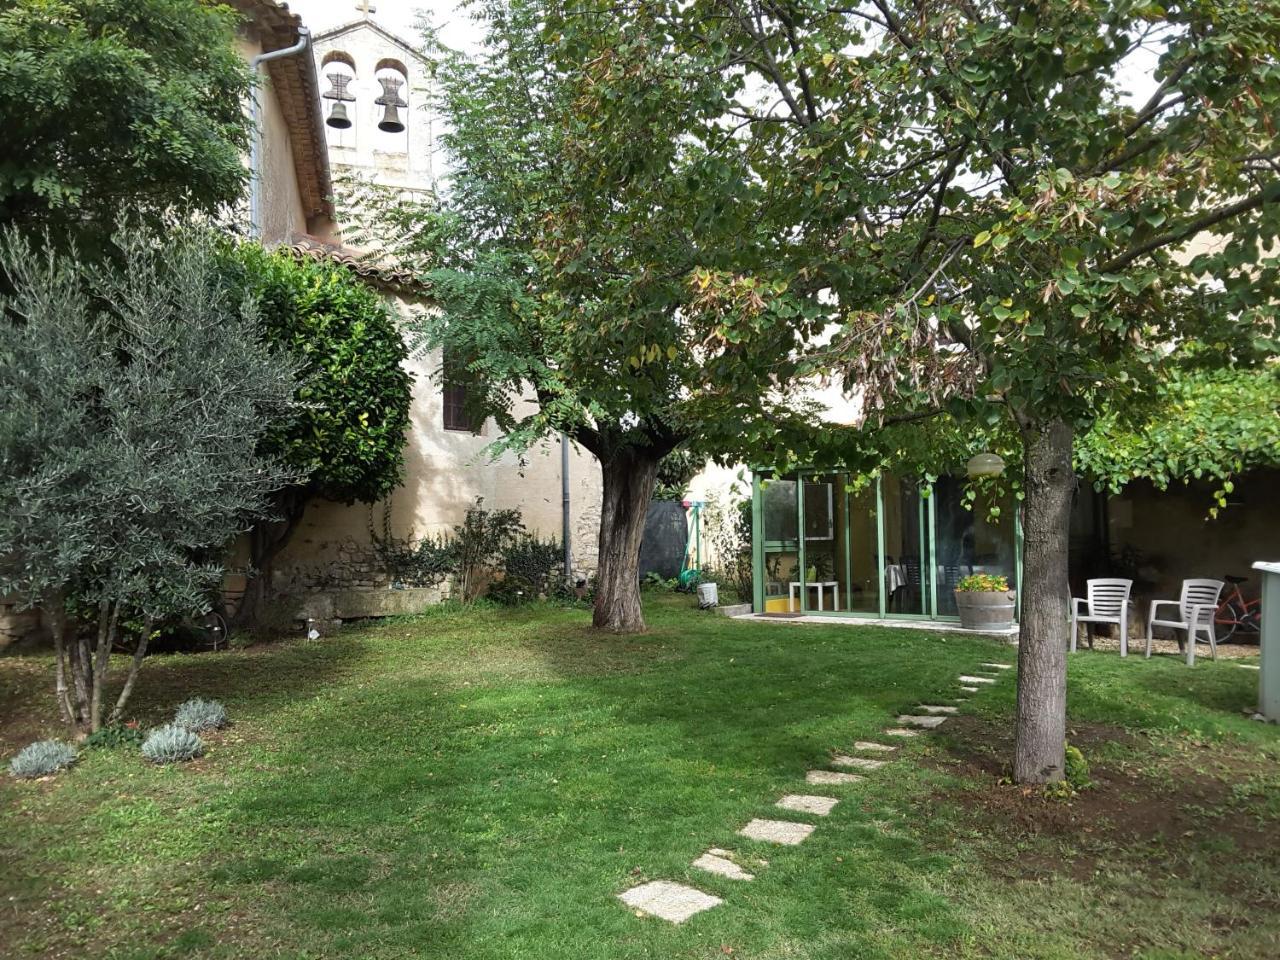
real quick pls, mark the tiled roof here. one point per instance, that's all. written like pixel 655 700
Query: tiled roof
pixel 297 88
pixel 395 278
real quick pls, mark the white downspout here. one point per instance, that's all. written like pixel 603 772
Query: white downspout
pixel 255 116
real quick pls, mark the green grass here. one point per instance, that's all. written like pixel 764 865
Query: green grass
pixel 481 784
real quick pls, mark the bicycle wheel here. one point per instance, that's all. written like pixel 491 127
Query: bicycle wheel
pixel 216 628
pixel 1228 620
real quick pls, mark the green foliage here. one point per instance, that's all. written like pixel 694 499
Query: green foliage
pixel 115 735
pixel 1076 771
pixel 489 552
pixel 1201 424
pixel 135 398
pixel 537 564
pixel 113 103
pixel 481 541
pixel 983 583
pixel 199 714
pixel 42 758
pixel 172 744
pixel 423 562
pixel 347 433
pixel 728 537
pixel 509 591
pixel 675 470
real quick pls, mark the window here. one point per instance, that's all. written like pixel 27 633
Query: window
pixel 458 389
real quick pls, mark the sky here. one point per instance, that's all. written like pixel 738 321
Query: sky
pixel 398 16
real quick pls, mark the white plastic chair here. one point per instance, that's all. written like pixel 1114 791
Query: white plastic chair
pixel 1107 602
pixel 1196 609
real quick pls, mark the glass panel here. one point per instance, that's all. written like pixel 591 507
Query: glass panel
pixel 823 550
pixel 970 541
pixel 906 548
pixel 863 581
pixel 780 513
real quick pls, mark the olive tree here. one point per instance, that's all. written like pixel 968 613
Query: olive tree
pixel 136 395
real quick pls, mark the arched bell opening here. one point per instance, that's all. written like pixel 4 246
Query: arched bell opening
pixel 394 80
pixel 339 71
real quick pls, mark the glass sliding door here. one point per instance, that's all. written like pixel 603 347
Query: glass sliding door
pixel 861 587
pixel 781 522
pixel 824 562
pixel 896 548
pixel 981 540
pixel 907 545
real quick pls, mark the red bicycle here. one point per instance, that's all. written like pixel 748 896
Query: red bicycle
pixel 1236 613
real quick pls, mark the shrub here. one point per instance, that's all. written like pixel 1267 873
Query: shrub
pixel 1076 769
pixel 115 735
pixel 172 744
pixel 42 758
pixel 983 583
pixel 511 591
pixel 534 563
pixel 198 714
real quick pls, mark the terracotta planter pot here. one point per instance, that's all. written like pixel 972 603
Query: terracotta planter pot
pixel 985 610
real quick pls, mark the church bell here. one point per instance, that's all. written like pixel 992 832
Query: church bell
pixel 338 93
pixel 338 118
pixel 391 102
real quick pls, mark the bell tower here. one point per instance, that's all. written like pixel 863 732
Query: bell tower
pixel 375 91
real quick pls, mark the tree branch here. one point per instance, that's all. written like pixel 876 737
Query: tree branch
pixel 1269 194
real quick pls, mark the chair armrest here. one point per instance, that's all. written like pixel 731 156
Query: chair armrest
pixel 1076 603
pixel 1162 603
pixel 1193 621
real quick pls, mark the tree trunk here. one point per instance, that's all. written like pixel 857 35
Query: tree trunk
pixel 134 666
pixel 55 614
pixel 102 662
pixel 1042 648
pixel 266 540
pixel 629 476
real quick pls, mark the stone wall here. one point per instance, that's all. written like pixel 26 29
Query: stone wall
pixel 16 626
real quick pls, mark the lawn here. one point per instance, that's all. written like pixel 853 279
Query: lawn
pixel 483 783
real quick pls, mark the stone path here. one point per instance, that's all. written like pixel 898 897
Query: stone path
pixel 831 778
pixel 856 763
pixel 717 861
pixel 670 901
pixel 786 832
pixel 804 803
pixel 676 902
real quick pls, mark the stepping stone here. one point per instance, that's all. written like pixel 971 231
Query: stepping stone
pixel 964 679
pixel 930 708
pixel 804 803
pixel 927 723
pixel 969 689
pixel 868 746
pixel 785 832
pixel 901 732
pixel 714 861
pixel 996 666
pixel 857 763
pixel 829 778
pixel 668 901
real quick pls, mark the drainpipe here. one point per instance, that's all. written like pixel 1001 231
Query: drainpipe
pixel 564 506
pixel 255 115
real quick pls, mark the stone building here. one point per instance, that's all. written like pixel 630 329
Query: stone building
pixel 373 92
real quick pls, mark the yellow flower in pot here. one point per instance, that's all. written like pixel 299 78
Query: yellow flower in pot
pixel 985 602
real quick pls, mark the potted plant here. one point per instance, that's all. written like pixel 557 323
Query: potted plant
pixel 985 602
